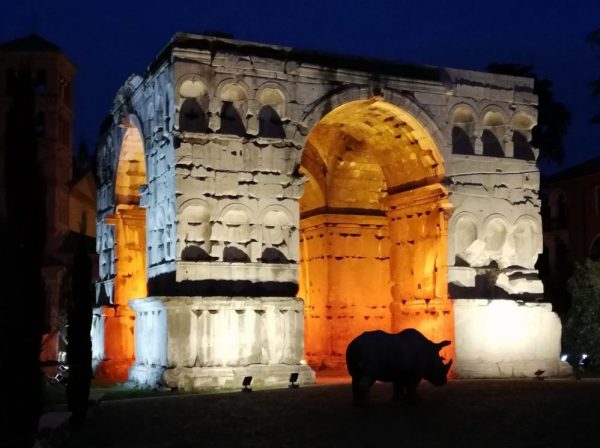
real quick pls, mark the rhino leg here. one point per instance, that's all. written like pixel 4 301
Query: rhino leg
pixel 399 390
pixel 360 389
pixel 411 390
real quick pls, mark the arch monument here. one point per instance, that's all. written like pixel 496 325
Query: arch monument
pixel 260 206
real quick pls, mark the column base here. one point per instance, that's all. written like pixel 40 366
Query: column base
pixel 113 370
pixel 512 369
pixel 507 339
pixel 199 378
pixel 146 377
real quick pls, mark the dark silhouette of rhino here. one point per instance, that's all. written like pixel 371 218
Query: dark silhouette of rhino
pixel 403 358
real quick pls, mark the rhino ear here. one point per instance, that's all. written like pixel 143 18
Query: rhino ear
pixel 441 345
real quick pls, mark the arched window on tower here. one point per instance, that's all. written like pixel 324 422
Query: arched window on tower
pixel 272 101
pixel 522 148
pixel 493 133
pixel 192 111
pixel 231 121
pixel 269 123
pixel 522 124
pixel 462 131
pixel 235 99
pixel 191 117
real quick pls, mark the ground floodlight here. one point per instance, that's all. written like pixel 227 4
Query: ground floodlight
pixel 246 383
pixel 293 379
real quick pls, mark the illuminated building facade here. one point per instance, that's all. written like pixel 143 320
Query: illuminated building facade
pixel 261 206
pixel 70 190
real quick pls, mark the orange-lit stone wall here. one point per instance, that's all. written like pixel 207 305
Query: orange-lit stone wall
pixel 379 261
pixel 130 283
pixel 344 281
pixel 418 233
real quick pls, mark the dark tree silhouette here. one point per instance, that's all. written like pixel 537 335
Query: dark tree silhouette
pixel 553 117
pixel 79 344
pixel 594 40
pixel 22 241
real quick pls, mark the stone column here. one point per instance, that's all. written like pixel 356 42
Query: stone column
pixel 507 141
pixel 130 283
pixel 478 147
pixel 150 341
pixel 418 236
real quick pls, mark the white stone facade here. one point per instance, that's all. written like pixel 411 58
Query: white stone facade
pixel 224 127
pixel 504 338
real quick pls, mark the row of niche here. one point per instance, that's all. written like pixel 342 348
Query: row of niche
pixel 234 236
pixel 496 241
pixel 193 112
pixel 494 135
pixel 229 238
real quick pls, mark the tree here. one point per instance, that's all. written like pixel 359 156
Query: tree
pixel 553 117
pixel 79 347
pixel 581 328
pixel 22 242
pixel 594 40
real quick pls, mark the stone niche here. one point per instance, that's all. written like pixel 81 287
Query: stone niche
pixel 289 201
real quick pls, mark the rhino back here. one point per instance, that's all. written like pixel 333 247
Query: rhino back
pixel 383 356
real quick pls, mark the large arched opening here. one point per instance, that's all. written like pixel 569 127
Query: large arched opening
pixel 130 280
pixel 373 230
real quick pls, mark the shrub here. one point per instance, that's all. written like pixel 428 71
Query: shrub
pixel 581 330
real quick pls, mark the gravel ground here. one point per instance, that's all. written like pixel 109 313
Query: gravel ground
pixel 525 413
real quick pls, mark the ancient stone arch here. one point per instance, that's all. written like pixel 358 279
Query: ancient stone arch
pixel 322 197
pixel 129 254
pixel 380 164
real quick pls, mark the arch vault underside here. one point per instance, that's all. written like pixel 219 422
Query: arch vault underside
pixel 373 229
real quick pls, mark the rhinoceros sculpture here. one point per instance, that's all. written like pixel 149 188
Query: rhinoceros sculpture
pixel 402 358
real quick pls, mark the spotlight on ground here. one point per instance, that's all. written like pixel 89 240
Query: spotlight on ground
pixel 293 379
pixel 246 383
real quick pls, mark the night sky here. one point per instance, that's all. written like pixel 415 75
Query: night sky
pixel 109 40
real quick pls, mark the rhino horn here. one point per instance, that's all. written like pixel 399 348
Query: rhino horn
pixel 441 345
pixel 447 366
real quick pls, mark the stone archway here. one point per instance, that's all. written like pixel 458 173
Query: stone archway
pixel 130 282
pixel 374 229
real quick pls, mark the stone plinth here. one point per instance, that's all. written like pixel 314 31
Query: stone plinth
pixel 97 335
pixel 150 341
pixel 216 341
pixel 506 339
pixel 276 375
pixel 118 345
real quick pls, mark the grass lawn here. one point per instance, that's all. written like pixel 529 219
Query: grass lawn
pixel 467 413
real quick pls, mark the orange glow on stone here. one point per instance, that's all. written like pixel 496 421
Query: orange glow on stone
pixel 130 255
pixel 374 231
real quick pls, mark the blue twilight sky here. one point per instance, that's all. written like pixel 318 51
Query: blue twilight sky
pixel 109 40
